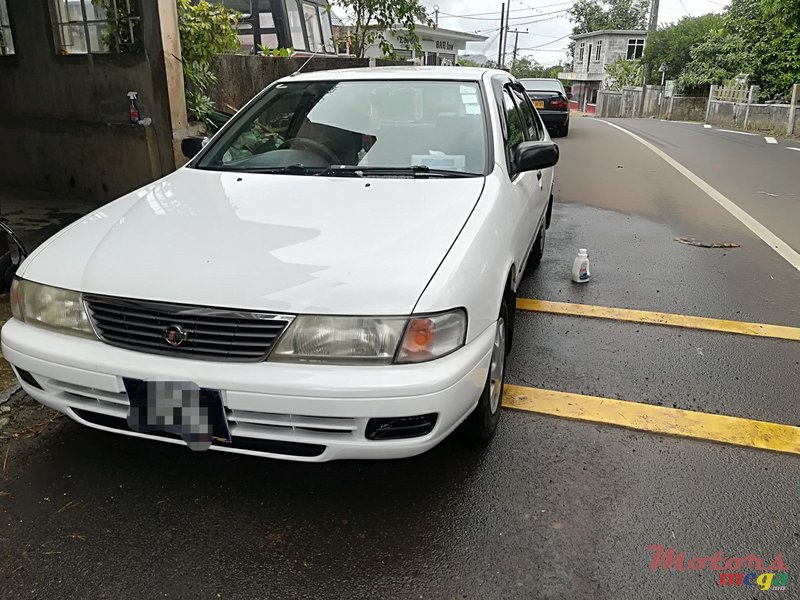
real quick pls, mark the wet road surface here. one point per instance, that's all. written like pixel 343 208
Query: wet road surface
pixel 551 509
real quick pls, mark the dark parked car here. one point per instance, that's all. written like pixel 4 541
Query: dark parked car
pixel 550 99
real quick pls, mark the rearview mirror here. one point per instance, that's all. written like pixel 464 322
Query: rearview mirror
pixel 191 146
pixel 534 156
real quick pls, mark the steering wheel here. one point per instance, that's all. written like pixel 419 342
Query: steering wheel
pixel 312 146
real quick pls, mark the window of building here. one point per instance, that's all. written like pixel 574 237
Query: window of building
pixel 327 30
pixel 6 39
pixel 581 48
pixel 598 51
pixel 312 27
pixel 96 26
pixel 635 49
pixel 295 25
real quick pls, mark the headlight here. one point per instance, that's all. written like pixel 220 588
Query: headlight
pixel 371 340
pixel 50 307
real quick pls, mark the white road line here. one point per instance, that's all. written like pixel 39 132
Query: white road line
pixel 773 241
pixel 739 132
pixel 798 149
pixel 707 126
pixel 771 140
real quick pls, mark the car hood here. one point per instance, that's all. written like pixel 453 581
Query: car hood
pixel 280 243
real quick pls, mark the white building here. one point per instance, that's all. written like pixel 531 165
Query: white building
pixel 438 46
pixel 594 51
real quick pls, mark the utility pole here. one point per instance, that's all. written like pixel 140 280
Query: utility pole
pixel 500 47
pixel 653 15
pixel 436 12
pixel 516 33
pixel 652 26
pixel 505 35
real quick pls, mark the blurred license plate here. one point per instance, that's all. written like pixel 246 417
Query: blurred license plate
pixel 538 103
pixel 179 407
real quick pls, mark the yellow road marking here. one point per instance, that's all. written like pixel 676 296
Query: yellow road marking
pixel 659 318
pixel 657 419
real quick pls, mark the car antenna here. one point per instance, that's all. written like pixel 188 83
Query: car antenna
pixel 303 66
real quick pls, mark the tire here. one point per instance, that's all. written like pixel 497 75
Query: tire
pixel 482 422
pixel 537 251
pixel 565 130
pixel 549 216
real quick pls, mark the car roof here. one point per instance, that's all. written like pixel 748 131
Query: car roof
pixel 395 73
pixel 540 79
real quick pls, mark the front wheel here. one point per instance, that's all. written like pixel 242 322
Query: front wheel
pixel 482 423
pixel 537 251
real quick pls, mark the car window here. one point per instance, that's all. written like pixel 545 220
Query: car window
pixel 515 129
pixel 392 124
pixel 542 85
pixel 532 131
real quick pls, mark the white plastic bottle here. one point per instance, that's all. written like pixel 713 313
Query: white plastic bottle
pixel 580 268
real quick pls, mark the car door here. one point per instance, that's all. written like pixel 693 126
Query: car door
pixel 535 132
pixel 523 187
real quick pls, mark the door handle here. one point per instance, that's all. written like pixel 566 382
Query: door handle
pixel 539 175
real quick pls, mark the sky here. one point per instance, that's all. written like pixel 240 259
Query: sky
pixel 546 21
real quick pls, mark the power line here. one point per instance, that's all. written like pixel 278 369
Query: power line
pixel 528 8
pixel 547 44
pixel 452 16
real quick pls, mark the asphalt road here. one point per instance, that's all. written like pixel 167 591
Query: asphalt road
pixel 552 508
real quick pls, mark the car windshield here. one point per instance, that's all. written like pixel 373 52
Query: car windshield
pixel 378 126
pixel 542 85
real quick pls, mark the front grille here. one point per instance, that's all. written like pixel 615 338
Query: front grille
pixel 240 443
pixel 202 333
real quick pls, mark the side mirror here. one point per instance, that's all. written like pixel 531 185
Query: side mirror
pixel 534 156
pixel 191 146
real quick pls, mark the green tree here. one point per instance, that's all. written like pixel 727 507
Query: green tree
pixel 719 58
pixel 623 72
pixel 759 38
pixel 526 67
pixel 206 29
pixel 373 19
pixel 592 15
pixel 672 45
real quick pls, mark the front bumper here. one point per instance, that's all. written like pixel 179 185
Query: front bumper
pixel 284 406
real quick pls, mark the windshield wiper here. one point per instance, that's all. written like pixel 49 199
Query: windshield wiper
pixel 416 171
pixel 284 170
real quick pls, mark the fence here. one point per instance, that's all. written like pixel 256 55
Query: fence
pixel 731 106
pixel 650 101
pixel 745 111
pixel 733 93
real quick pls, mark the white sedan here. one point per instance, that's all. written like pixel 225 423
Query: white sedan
pixel 332 276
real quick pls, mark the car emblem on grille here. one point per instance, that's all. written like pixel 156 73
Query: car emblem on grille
pixel 175 336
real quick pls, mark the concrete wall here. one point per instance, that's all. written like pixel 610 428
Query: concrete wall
pixel 628 103
pixel 758 117
pixel 64 119
pixel 684 108
pixel 609 104
pixel 240 77
pixel 631 99
pixel 653 101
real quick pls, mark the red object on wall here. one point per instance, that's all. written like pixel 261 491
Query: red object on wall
pixel 590 108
